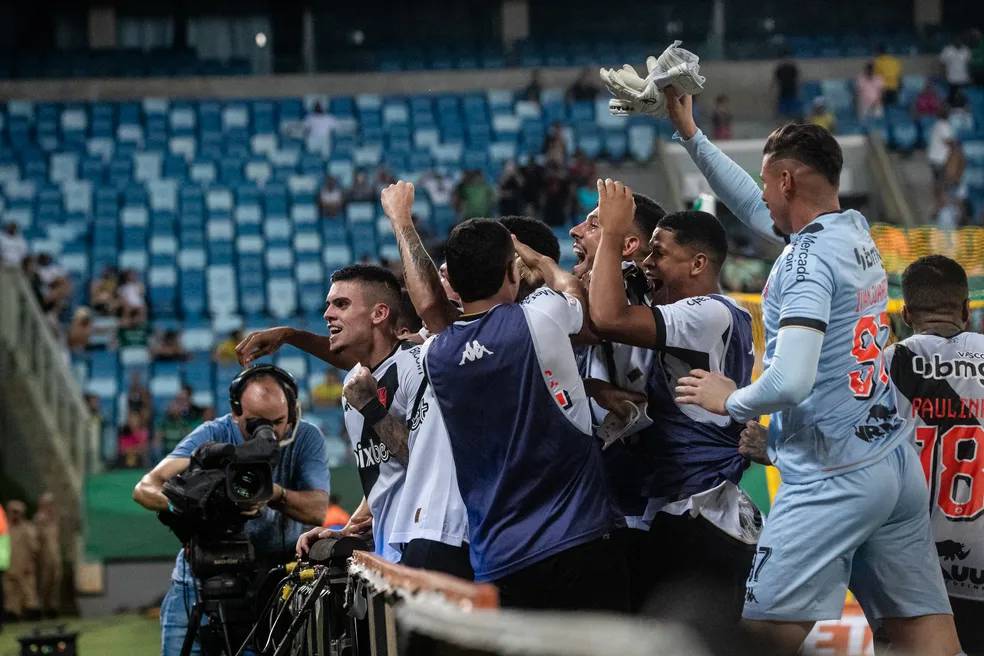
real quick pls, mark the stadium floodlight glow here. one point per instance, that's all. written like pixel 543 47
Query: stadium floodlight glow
pixel 261 40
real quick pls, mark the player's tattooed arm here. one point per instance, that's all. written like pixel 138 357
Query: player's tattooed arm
pixel 360 392
pixel 422 278
pixel 611 315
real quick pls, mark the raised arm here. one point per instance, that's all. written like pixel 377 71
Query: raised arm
pixel 560 281
pixel 729 182
pixel 264 342
pixel 422 278
pixel 612 316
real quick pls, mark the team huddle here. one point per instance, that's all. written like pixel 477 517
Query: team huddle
pixel 577 438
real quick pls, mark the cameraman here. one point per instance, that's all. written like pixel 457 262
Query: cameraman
pixel 262 394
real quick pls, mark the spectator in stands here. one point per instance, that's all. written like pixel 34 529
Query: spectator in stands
pixel 533 175
pixel 555 144
pixel 473 197
pixel 13 246
pixel 49 555
pixel 786 80
pixel 584 88
pixel 820 115
pixel 721 118
pixel 558 196
pixel 383 179
pixel 336 517
pixel 331 198
pixel 225 351
pixel 138 397
pixel 582 168
pixel 80 330
pixel 868 93
pixel 103 292
pixel 941 144
pixel 532 90
pixel 956 66
pixel 438 185
pixel 361 189
pixel 889 68
pixel 132 328
pixel 318 127
pixel 178 420
pixel 55 281
pixel 20 580
pixel 327 393
pixel 133 442
pixel 52 299
pixel 928 102
pixel 133 296
pixel 511 190
pixel 167 347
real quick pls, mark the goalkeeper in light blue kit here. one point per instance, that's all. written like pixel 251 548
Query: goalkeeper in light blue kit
pixel 852 509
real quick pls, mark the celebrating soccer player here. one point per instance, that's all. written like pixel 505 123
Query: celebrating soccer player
pixel 852 508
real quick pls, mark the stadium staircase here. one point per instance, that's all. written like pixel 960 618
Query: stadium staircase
pixel 49 438
pixel 888 190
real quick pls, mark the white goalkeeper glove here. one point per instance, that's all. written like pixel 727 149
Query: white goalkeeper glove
pixel 634 95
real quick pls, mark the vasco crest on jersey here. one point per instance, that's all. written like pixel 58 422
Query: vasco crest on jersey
pixel 881 421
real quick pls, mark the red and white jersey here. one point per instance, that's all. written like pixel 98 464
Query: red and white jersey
pixel 939 387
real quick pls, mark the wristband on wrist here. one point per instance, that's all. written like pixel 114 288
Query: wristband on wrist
pixel 279 501
pixel 373 411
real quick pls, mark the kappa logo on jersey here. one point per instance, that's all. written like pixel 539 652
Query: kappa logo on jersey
pixel 473 351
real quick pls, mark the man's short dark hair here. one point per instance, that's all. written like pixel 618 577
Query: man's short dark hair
pixel 380 278
pixel 648 214
pixel 934 283
pixel 809 144
pixel 534 233
pixel 478 253
pixel 700 231
pixel 408 314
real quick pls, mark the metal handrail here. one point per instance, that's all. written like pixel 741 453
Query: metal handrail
pixel 41 363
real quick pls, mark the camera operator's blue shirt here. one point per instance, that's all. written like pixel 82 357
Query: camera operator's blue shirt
pixel 303 465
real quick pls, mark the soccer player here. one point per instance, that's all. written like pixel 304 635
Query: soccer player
pixel 705 525
pixel 852 508
pixel 609 368
pixel 529 470
pixel 938 375
pixel 381 389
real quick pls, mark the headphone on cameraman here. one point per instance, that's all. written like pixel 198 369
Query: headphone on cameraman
pixel 287 384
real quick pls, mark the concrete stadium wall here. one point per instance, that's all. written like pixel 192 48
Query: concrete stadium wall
pixel 748 83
